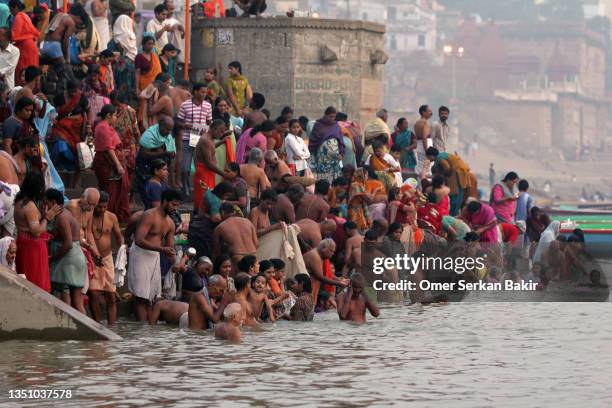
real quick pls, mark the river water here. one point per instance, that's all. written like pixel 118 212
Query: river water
pixel 459 355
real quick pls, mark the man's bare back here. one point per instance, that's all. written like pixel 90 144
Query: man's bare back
pixel 168 311
pixel 310 232
pixel 178 96
pixel 156 228
pixel 228 331
pixel 8 173
pixel 422 130
pixel 238 235
pixel 259 219
pixel 283 210
pixel 312 206
pixel 65 25
pixel 83 218
pixel 352 254
pixel 255 178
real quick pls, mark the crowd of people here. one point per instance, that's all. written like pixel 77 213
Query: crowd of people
pixel 79 95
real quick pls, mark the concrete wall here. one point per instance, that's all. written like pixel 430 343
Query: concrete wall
pixel 282 58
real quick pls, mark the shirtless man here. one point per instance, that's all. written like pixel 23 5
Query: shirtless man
pixel 179 94
pixel 237 235
pixel 105 225
pixel 352 250
pixel 254 175
pixel 56 47
pixel 169 311
pixel 154 236
pixel 423 135
pixel 312 233
pixel 8 169
pixel 277 171
pixel 256 116
pixel 68 265
pixel 352 304
pixel 230 328
pixel 284 210
pixel 26 157
pixel 205 151
pixel 82 209
pixel 204 314
pixel 259 215
pixel 314 206
pixel 161 104
pixel 242 281
pixel 313 260
pixel 32 83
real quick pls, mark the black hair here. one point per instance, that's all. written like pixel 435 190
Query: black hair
pixel 371 172
pixel 335 211
pixel 292 121
pixel 303 122
pixel 371 235
pixel 198 85
pixel 432 151
pixel 146 39
pixel 523 185
pixel 224 187
pixel 423 109
pixel 329 110
pixel 471 237
pixel 78 10
pixel 32 72
pixel 72 84
pixel 27 142
pixel 171 195
pixel 305 281
pixel 474 206
pixel 106 111
pixel 254 278
pixel 279 264
pixel 443 109
pixel 107 54
pixel 160 8
pixel 322 187
pixel 104 197
pixel 340 181
pixel 16 3
pixel 219 261
pixel 267 113
pixel 184 83
pixel 241 281
pixel 579 233
pixel 432 198
pixel 268 194
pixel 217 123
pixel 235 167
pixel 341 117
pixel 226 208
pixel 265 265
pixel 32 187
pixel 377 144
pixel 437 181
pixel 400 121
pixel 258 100
pixel 281 119
pixel 55 196
pixel 395 226
pixel 394 192
pixel 22 103
pixel 235 64
pixel 163 77
pixel 265 126
pixel 510 176
pixel 286 110
pixel 349 226
pixel 396 148
pixel 158 164
pixel 246 263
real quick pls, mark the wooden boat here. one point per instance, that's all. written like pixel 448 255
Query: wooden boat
pixel 597 228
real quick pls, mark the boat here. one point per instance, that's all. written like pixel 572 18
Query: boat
pixel 597 228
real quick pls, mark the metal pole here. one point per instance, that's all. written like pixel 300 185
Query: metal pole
pixel 187 39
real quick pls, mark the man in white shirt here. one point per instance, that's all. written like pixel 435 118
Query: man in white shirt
pixel 9 57
pixel 158 28
pixel 440 130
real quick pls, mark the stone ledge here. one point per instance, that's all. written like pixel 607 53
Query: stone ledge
pixel 287 22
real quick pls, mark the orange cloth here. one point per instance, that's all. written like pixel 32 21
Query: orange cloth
pixel 327 272
pixel 214 9
pixel 206 176
pixel 106 76
pixel 25 37
pixel 148 78
pixel 275 287
pixel 378 164
pixel 230 151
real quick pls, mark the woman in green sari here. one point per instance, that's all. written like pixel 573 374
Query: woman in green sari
pixel 226 152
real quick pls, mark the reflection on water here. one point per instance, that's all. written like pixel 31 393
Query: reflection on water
pixel 467 355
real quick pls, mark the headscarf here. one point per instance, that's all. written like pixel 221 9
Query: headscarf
pixel 548 236
pixel 5 13
pixel 5 243
pixel 123 33
pixel 153 139
pixel 322 131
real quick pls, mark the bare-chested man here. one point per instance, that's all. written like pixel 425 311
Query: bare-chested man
pixel 284 210
pixel 229 329
pixel 277 171
pixel 56 46
pixel 254 175
pixel 8 169
pixel 31 88
pixel 242 281
pixel 236 234
pixel 352 250
pixel 259 215
pixel 255 117
pixel 206 161
pixel 179 94
pixel 312 233
pixel 352 303
pixel 26 157
pixel 67 264
pixel 160 103
pixel 82 209
pixel 169 311
pixel 423 136
pixel 314 206
pixel 154 236
pixel 204 313
pixel 313 260
pixel 105 225
pixel 8 175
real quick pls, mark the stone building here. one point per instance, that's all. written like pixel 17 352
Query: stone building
pixel 305 63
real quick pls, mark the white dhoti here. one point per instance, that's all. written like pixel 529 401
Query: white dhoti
pixel 144 273
pixel 423 166
pixel 184 321
pixel 283 244
pixel 6 201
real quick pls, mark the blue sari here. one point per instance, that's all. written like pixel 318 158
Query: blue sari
pixel 407 159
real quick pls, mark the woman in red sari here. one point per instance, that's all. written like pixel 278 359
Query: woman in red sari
pixel 111 175
pixel 25 37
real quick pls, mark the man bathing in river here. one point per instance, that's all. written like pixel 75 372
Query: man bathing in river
pixel 230 328
pixel 203 312
pixel 154 236
pixel 353 302
pixel 238 235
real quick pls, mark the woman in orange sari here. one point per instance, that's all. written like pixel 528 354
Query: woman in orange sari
pixel 25 37
pixel 377 190
pixel 147 67
pixel 358 201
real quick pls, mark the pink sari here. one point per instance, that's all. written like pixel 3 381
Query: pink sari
pixel 481 218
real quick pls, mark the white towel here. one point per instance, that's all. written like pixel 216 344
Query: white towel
pixel 121 266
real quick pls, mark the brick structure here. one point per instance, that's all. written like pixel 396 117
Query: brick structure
pixel 305 63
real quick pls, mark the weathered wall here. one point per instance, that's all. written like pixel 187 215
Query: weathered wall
pixel 282 57
pixel 28 312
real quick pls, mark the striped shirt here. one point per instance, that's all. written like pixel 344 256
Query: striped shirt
pixel 197 116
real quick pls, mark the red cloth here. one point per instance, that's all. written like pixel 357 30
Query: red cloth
pixel 210 9
pixel 24 35
pixel 33 259
pixel 443 206
pixel 117 187
pixel 206 176
pixel 510 232
pixel 90 262
pixel 105 137
pixel 327 272
pixel 429 217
